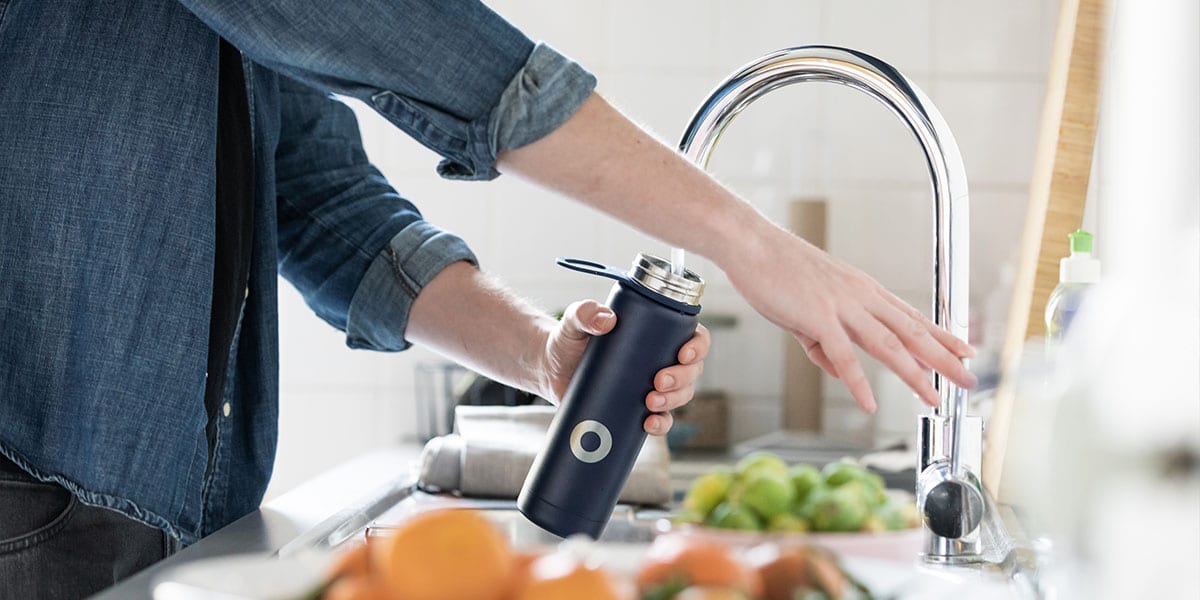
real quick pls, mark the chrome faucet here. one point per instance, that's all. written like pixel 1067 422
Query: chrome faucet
pixel 949 494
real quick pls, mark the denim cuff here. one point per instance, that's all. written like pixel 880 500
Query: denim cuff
pixel 378 314
pixel 538 99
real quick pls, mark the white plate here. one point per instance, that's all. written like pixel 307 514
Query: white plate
pixel 243 577
pixel 265 577
pixel 901 546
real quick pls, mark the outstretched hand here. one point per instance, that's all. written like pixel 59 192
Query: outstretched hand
pixel 830 307
pixel 673 385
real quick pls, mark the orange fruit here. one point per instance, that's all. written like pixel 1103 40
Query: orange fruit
pixel 451 554
pixel 357 588
pixel 696 562
pixel 562 576
pixel 783 570
pixel 522 561
pixel 351 563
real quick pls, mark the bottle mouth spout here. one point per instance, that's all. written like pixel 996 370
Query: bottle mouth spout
pixel 656 275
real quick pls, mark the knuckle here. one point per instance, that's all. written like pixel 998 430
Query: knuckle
pixel 890 342
pixel 916 326
pixel 574 310
pixel 841 356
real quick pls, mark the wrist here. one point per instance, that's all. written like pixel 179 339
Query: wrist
pixel 535 359
pixel 741 237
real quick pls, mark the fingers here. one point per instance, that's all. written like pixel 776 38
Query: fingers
pixel 959 347
pixel 885 345
pixel 817 354
pixel 658 424
pixel 696 348
pixel 837 348
pixel 924 348
pixel 674 385
pixel 586 318
pixel 677 376
pixel 664 401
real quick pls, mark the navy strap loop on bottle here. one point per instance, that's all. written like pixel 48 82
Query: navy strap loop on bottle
pixel 595 268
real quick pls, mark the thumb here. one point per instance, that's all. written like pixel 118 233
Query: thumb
pixel 587 318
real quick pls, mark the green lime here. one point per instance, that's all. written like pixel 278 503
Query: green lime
pixel 912 518
pixel 787 523
pixel 706 492
pixel 805 479
pixel 842 472
pixel 874 496
pixel 898 514
pixel 687 516
pixel 757 461
pixel 874 524
pixel 733 515
pixel 804 508
pixel 839 509
pixel 767 492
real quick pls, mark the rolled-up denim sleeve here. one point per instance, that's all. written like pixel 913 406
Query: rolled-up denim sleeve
pixel 357 251
pixel 381 304
pixel 452 74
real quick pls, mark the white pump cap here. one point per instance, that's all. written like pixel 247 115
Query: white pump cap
pixel 1080 266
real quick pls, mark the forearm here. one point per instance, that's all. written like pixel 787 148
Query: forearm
pixel 603 159
pixel 470 318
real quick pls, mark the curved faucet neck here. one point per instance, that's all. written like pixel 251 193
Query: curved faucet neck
pixel 884 83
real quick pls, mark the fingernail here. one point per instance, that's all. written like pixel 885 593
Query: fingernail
pixel 689 354
pixel 602 317
pixel 668 381
pixel 657 402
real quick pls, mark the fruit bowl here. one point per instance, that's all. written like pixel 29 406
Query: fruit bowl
pixel 901 545
pixel 841 506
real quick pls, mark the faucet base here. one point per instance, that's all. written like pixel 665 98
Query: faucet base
pixel 948 551
pixel 952 503
pixel 952 559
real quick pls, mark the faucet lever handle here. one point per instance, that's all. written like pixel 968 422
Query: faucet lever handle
pixel 953 509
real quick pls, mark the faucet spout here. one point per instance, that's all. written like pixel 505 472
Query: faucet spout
pixel 940 434
pixel 903 98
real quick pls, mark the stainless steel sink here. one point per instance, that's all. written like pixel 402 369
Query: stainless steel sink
pixel 628 525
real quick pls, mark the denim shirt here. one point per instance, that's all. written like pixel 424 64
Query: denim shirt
pixel 107 156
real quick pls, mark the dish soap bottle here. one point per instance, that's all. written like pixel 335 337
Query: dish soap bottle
pixel 1076 273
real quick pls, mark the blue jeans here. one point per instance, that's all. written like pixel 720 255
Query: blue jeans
pixel 54 547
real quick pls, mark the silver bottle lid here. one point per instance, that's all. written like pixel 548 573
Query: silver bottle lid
pixel 656 275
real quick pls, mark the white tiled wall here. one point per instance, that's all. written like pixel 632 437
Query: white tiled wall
pixel 982 63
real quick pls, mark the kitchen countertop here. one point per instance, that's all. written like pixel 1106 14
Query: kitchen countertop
pixel 302 516
pixel 285 518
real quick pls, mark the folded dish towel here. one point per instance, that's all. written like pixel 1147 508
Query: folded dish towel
pixel 493 447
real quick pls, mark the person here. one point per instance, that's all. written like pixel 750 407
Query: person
pixel 162 162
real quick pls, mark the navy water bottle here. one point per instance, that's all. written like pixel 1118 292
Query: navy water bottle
pixel 598 432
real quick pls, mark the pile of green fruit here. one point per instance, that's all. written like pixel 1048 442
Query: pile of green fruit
pixel 764 494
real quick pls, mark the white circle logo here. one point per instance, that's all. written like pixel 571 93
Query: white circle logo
pixel 601 451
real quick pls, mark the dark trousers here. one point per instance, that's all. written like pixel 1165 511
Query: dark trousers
pixel 52 546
